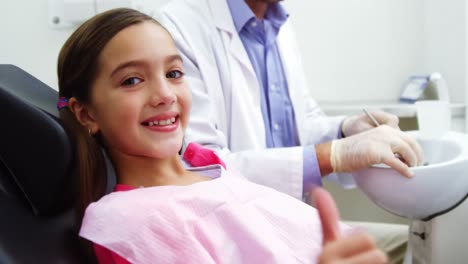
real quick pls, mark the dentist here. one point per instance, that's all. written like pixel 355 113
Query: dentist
pixel 251 103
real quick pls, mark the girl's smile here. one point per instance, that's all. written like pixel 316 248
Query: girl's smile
pixel 166 122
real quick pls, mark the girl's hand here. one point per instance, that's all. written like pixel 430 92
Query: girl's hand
pixel 359 249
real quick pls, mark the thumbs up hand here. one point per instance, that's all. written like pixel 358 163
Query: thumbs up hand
pixel 359 249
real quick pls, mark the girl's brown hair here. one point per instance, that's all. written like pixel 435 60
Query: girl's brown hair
pixel 77 70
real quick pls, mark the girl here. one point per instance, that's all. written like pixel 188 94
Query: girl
pixel 121 88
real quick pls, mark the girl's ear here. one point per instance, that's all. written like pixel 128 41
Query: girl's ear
pixel 83 115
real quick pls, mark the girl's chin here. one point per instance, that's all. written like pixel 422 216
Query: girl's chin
pixel 168 151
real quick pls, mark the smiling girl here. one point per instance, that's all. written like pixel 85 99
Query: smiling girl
pixel 122 89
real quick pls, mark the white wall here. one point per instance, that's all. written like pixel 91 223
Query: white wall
pixel 358 50
pixel 26 39
pixel 445 44
pixel 364 50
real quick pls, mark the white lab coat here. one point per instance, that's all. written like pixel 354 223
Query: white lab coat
pixel 226 113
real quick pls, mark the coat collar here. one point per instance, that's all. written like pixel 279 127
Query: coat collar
pixel 221 13
pixel 223 21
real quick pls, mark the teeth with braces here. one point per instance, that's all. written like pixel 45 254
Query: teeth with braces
pixel 162 122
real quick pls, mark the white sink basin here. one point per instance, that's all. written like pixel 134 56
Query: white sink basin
pixel 435 188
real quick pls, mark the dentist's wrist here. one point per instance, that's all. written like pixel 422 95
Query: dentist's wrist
pixel 323 152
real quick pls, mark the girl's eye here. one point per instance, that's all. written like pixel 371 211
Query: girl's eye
pixel 131 81
pixel 176 74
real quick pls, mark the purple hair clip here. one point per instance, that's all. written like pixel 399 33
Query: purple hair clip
pixel 62 103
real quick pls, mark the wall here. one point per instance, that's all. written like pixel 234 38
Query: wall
pixel 445 44
pixel 361 50
pixel 364 50
pixel 27 41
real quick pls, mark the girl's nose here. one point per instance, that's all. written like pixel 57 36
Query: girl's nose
pixel 162 93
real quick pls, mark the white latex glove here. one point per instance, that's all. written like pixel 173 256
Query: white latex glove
pixel 375 146
pixel 359 123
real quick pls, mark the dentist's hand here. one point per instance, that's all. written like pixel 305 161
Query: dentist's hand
pixel 377 145
pixel 359 123
pixel 354 249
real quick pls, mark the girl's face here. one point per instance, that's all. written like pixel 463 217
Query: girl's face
pixel 140 102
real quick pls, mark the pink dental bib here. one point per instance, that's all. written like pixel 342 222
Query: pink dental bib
pixel 224 220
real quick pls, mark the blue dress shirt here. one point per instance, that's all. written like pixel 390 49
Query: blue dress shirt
pixel 259 39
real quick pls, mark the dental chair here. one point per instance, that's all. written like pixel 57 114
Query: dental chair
pixel 37 192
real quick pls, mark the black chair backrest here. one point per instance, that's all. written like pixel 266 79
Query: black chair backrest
pixel 37 223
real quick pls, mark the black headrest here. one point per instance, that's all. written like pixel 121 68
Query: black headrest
pixel 33 145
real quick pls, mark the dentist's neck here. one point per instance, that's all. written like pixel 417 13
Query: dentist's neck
pixel 259 8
